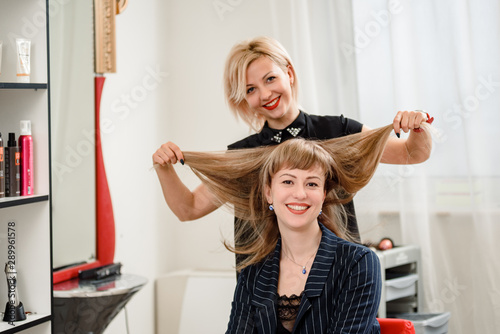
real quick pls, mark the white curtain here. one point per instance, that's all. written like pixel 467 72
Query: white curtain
pixel 444 57
pixel 369 59
pixel 311 31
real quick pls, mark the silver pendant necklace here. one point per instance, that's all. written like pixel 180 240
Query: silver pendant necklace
pixel 304 271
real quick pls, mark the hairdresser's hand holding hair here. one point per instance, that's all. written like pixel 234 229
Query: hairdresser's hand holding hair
pixel 186 204
pixel 300 273
pixel 168 153
pixel 417 147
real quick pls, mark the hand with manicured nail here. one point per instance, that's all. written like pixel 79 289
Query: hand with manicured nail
pixel 185 203
pixel 168 153
pixel 408 120
pixel 415 148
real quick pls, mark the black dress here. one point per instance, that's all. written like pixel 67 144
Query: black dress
pixel 308 127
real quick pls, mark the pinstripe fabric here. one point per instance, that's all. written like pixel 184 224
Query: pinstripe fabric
pixel 341 295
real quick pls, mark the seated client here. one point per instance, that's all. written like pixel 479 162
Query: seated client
pixel 300 273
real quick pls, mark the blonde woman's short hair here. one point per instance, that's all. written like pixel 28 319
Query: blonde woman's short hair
pixel 235 77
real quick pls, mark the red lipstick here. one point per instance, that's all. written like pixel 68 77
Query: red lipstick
pixel 276 102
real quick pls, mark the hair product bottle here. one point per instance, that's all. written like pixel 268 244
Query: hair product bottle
pixel 12 168
pixel 23 47
pixel 2 169
pixel 26 149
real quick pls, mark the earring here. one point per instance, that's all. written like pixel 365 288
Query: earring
pixel 320 212
pixel 271 207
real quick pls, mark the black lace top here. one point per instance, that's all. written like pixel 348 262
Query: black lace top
pixel 288 308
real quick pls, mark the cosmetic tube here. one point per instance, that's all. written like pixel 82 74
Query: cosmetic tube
pixel 12 168
pixel 23 60
pixel 26 149
pixel 2 169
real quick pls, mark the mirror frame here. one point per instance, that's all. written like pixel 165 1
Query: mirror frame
pixel 105 62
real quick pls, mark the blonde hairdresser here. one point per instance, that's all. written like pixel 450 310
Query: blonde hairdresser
pixel 261 88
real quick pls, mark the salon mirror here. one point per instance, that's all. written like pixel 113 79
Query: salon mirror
pixel 72 133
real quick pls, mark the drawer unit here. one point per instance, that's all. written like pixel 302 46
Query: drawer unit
pixel 401 278
pixel 404 286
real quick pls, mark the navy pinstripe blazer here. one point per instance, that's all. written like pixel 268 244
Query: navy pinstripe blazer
pixel 341 295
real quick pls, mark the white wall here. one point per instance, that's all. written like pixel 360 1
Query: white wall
pixel 133 104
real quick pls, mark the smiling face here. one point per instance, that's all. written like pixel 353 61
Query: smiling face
pixel 297 196
pixel 269 92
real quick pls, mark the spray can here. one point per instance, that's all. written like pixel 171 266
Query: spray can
pixel 26 150
pixel 12 168
pixel 2 169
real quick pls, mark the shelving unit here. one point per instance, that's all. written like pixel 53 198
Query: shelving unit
pixel 401 281
pixel 31 214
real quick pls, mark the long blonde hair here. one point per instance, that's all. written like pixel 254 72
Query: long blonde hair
pixel 238 177
pixel 235 77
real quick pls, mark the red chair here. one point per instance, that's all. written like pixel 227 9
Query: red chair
pixel 395 326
